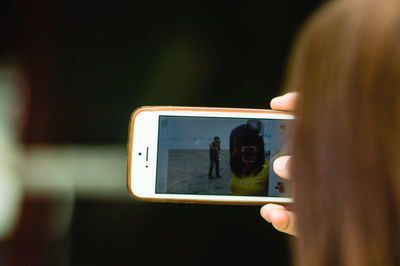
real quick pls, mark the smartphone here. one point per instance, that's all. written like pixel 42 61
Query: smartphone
pixel 207 155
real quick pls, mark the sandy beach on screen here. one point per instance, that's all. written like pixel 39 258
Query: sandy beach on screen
pixel 188 173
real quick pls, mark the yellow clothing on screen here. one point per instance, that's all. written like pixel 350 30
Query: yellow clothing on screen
pixel 253 185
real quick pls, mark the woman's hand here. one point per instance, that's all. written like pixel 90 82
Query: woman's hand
pixel 281 218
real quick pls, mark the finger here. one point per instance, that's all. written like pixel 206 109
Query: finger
pixel 268 208
pixel 283 221
pixel 280 218
pixel 285 102
pixel 281 166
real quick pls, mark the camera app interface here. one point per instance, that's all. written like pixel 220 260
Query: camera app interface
pixel 221 156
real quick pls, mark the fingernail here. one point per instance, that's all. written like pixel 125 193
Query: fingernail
pixel 281 164
pixel 265 213
pixel 276 99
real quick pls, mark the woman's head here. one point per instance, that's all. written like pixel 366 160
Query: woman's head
pixel 346 164
pixel 246 147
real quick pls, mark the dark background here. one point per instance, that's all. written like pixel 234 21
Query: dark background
pixel 90 64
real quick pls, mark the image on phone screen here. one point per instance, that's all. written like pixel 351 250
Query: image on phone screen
pixel 221 156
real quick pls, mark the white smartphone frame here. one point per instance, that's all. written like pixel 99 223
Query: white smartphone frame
pixel 143 145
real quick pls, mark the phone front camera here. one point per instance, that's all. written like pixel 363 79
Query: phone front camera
pixel 140 153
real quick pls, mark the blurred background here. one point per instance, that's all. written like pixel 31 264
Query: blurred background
pixel 71 73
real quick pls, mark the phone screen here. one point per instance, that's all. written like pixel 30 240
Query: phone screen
pixel 221 156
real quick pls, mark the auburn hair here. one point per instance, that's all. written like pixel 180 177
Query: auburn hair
pixel 346 140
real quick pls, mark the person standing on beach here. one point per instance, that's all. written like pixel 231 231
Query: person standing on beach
pixel 215 148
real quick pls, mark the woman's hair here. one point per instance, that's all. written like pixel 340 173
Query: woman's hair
pixel 346 145
pixel 247 156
